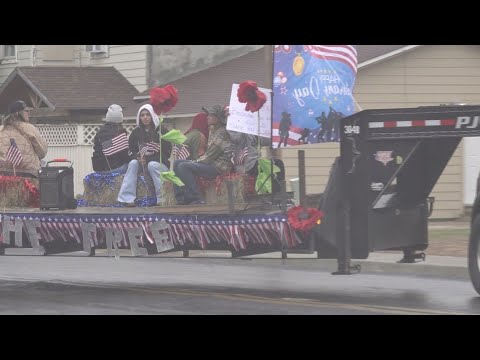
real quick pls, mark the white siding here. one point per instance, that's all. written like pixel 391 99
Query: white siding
pixel 130 60
pixel 23 59
pixel 80 155
pixel 318 161
pixel 55 55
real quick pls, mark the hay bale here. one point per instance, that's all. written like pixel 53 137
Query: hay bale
pixel 210 193
pixel 219 195
pixel 103 189
pixel 19 192
pixel 168 194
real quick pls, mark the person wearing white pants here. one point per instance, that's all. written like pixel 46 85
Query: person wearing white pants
pixel 128 191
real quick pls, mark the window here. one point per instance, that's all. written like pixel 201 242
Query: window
pixel 10 51
pixel 96 49
pixel 8 54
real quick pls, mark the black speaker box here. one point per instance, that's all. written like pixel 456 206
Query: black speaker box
pixel 56 188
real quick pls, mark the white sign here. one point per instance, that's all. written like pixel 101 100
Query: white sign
pixel 246 121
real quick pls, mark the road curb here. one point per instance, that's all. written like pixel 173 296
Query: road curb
pixel 377 263
pixel 370 267
pixel 383 263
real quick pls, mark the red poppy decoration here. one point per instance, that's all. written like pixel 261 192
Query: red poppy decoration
pixel 22 191
pixel 304 219
pixel 248 93
pixel 163 99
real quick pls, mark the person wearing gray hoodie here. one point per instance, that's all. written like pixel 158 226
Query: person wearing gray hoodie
pixel 144 146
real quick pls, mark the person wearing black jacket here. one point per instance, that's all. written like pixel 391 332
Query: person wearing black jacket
pixel 118 161
pixel 144 146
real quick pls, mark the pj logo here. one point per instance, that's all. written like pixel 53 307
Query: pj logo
pixel 467 122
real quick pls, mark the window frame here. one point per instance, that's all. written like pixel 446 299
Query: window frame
pixel 103 52
pixel 4 59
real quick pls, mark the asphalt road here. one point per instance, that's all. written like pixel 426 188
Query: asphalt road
pixel 100 285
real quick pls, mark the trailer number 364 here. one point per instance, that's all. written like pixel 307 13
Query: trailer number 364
pixel 351 129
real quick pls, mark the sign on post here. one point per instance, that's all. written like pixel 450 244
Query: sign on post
pixel 246 121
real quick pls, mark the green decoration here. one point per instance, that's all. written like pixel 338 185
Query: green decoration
pixel 174 136
pixel 170 176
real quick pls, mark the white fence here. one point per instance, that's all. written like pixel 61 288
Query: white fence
pixel 75 143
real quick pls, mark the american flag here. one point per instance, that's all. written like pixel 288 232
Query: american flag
pixel 239 158
pixel 149 148
pixel 343 53
pixel 115 145
pixel 13 154
pixel 180 152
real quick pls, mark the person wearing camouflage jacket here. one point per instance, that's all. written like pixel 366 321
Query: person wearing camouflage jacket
pixel 217 159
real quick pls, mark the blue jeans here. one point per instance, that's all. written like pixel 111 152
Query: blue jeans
pixel 186 170
pixel 128 191
pixel 122 170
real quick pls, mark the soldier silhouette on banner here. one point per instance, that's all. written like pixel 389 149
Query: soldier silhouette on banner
pixel 284 128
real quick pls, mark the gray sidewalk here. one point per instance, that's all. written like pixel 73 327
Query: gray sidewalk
pixel 447 239
pixel 449 224
pixel 441 264
pixel 446 255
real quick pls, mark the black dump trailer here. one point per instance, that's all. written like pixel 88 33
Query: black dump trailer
pixel 377 197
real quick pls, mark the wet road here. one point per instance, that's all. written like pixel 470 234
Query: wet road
pixel 100 285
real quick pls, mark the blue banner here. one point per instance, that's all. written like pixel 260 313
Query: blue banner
pixel 312 91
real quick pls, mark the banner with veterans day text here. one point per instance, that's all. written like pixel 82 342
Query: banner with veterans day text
pixel 313 90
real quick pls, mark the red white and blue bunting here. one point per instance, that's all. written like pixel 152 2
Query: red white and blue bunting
pixel 194 231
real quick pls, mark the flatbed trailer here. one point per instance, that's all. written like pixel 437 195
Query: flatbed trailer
pixel 378 196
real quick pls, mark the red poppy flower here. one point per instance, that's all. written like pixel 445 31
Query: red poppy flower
pixel 25 193
pixel 163 99
pixel 304 219
pixel 248 93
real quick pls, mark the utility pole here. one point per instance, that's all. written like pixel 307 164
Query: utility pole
pixel 268 66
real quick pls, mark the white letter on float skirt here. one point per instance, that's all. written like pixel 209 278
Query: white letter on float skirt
pixel 135 239
pixel 114 237
pixel 159 231
pixel 89 231
pixel 34 236
pixel 9 225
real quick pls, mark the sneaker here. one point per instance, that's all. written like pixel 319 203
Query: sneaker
pixel 198 202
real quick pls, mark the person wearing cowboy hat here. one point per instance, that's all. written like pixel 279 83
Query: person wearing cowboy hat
pixel 17 131
pixel 215 161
